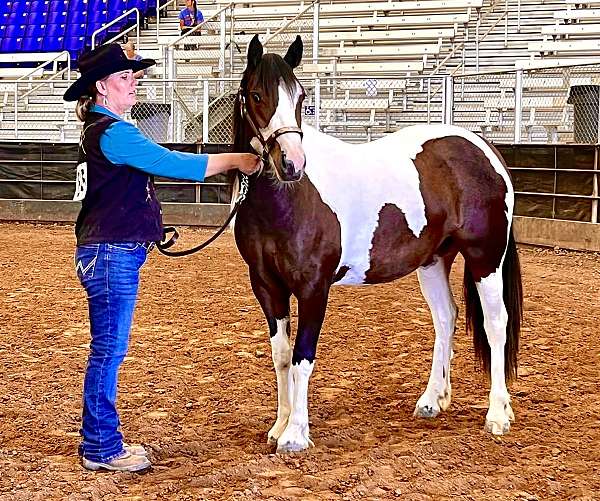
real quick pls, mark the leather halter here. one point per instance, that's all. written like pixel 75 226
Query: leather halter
pixel 268 143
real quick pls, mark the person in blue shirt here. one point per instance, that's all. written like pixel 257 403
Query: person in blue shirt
pixel 119 221
pixel 189 16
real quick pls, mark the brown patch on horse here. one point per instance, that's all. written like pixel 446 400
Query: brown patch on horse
pixel 266 222
pixel 452 174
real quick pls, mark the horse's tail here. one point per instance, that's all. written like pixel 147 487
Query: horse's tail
pixel 513 302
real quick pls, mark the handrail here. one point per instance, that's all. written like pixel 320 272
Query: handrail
pixel 285 26
pixel 125 14
pixel 158 9
pixel 50 61
pixel 44 82
pixel 435 92
pixel 198 26
pixel 462 44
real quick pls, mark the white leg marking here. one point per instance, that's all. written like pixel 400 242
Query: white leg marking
pixel 281 352
pixel 500 413
pixel 296 435
pixel 437 293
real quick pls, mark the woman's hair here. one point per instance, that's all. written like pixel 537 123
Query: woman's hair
pixel 85 102
pixel 195 11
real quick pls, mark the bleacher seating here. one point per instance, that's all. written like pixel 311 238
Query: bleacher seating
pixel 379 48
pixel 40 26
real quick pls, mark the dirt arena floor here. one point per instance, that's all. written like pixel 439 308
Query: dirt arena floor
pixel 198 388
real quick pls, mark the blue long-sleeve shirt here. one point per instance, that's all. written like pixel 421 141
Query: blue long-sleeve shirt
pixel 123 144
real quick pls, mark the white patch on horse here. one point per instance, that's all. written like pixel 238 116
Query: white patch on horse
pixel 340 172
pixel 438 294
pixel 495 319
pixel 296 434
pixel 285 116
pixel 281 351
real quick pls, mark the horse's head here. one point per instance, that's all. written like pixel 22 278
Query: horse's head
pixel 269 104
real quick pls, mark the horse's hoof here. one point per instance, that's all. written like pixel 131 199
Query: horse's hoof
pixel 289 447
pixel 497 428
pixel 427 411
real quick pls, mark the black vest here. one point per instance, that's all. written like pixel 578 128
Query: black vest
pixel 120 204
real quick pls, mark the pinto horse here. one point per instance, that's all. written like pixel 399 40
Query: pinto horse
pixel 322 212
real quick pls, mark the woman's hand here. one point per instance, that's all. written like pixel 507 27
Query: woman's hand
pixel 248 163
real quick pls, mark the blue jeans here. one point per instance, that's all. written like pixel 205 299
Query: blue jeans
pixel 110 274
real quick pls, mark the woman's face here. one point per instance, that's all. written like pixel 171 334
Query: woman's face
pixel 189 3
pixel 117 92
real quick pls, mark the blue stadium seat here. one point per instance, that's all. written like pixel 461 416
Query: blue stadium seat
pixel 115 5
pixel 20 7
pixel 2 30
pixel 97 5
pixel 79 6
pixel 55 30
pixel 35 30
pixel 97 17
pixel 39 6
pixel 90 31
pixel 31 44
pixel 11 44
pixel 15 31
pixel 75 31
pixel 15 18
pixel 74 45
pixel 57 17
pixel 52 44
pixel 77 17
pixel 91 27
pixel 5 7
pixel 114 15
pixel 59 5
pixel 140 4
pixel 39 17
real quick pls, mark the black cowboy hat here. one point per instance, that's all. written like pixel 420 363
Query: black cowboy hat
pixel 99 63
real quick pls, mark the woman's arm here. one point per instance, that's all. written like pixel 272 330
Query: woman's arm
pixel 123 144
pixel 246 162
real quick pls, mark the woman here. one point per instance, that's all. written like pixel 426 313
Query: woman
pixel 189 17
pixel 120 218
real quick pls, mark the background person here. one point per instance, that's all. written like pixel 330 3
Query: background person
pixel 120 218
pixel 189 16
pixel 130 52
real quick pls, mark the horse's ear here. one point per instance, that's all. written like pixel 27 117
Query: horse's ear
pixel 255 52
pixel 294 53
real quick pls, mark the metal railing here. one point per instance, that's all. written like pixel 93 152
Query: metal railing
pixel 542 105
pixel 135 27
pixel 160 7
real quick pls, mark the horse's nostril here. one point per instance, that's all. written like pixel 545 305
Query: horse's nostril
pixel 289 166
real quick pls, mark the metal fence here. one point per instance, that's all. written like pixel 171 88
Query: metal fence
pixel 558 106
pixel 548 105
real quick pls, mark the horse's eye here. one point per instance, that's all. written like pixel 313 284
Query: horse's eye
pixel 255 97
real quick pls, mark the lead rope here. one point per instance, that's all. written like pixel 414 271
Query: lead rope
pixel 164 244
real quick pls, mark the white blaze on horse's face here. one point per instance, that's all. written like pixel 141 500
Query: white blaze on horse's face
pixel 291 143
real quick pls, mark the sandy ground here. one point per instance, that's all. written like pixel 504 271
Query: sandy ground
pixel 198 387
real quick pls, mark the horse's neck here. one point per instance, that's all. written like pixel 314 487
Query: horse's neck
pixel 268 197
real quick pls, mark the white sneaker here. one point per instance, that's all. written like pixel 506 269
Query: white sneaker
pixel 135 449
pixel 124 462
